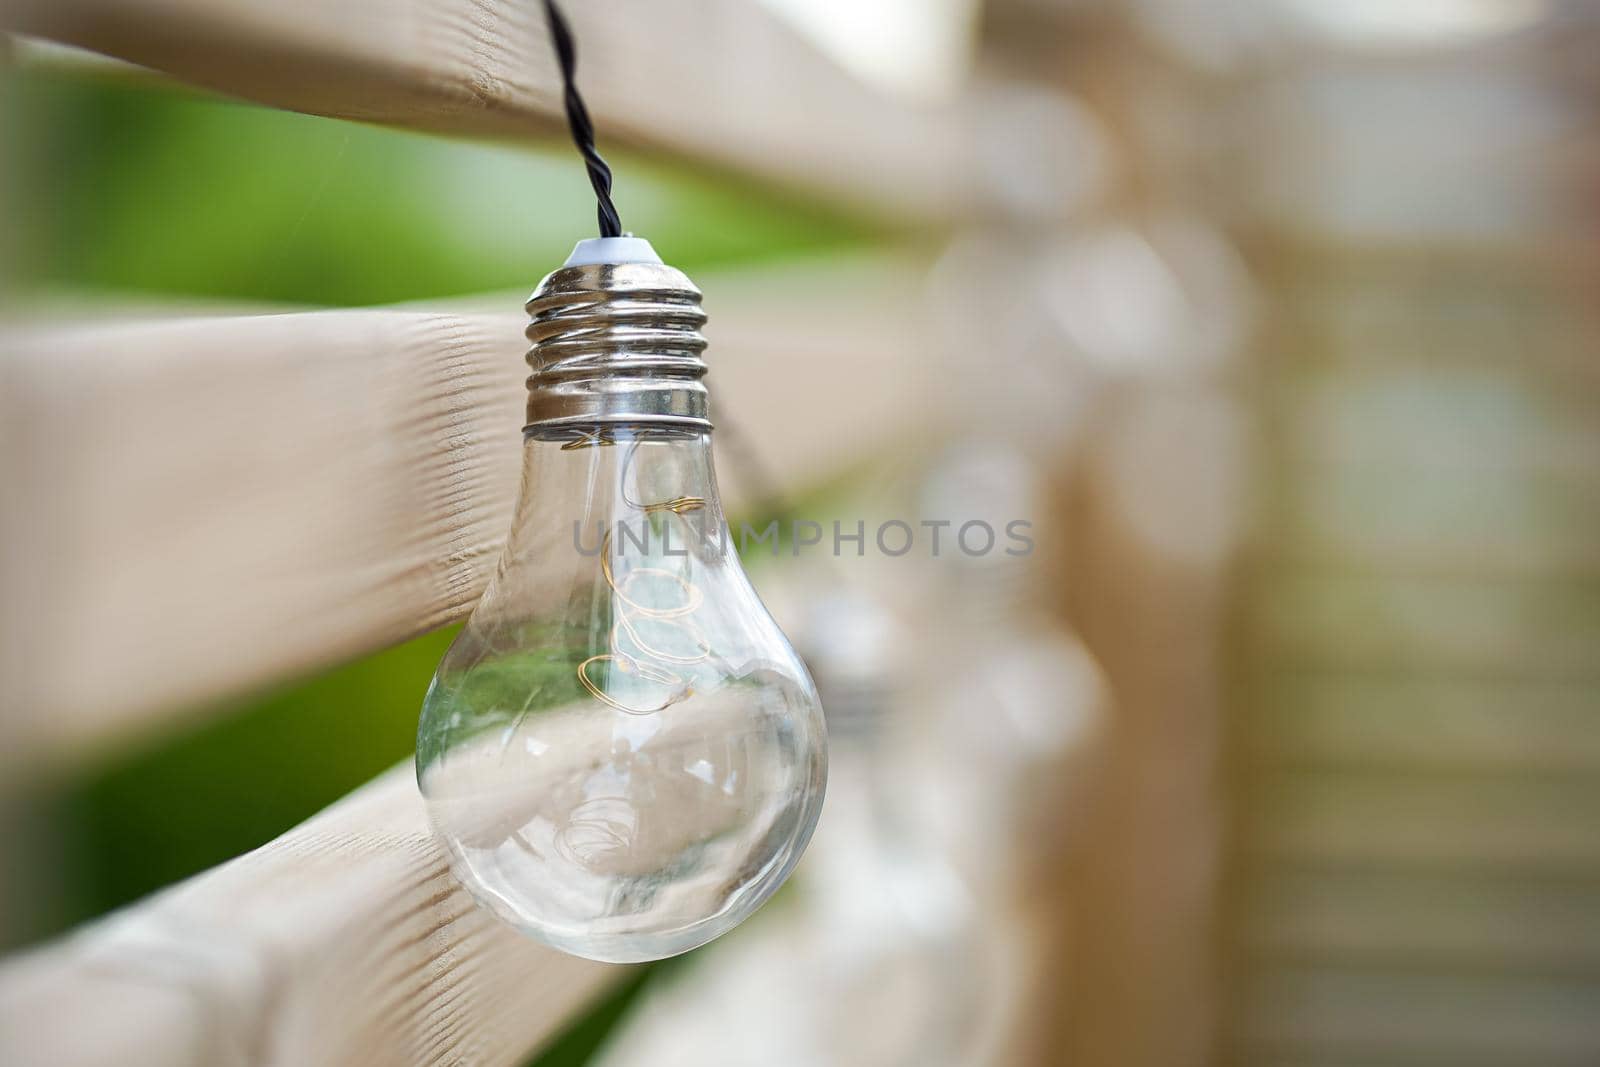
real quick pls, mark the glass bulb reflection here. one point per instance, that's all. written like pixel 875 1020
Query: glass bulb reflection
pixel 621 751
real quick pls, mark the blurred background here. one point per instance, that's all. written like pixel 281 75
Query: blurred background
pixel 1277 319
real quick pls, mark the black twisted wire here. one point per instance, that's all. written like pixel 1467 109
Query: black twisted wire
pixel 578 121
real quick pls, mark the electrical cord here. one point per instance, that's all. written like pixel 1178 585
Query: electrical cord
pixel 579 123
pixel 755 473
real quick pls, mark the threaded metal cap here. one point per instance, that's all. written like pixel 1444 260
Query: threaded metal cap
pixel 616 344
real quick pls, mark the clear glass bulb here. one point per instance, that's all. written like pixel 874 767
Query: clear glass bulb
pixel 621 750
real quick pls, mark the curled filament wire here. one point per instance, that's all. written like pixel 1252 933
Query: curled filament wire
pixel 629 651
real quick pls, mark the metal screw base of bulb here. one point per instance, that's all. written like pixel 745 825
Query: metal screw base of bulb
pixel 615 344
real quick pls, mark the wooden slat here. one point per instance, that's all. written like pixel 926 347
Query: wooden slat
pixel 1363 1017
pixel 1415 823
pixel 1412 725
pixel 345 941
pixel 200 506
pixel 209 504
pixel 1478 627
pixel 1378 312
pixel 720 81
pixel 1503 922
pixel 1435 471
pixel 1161 501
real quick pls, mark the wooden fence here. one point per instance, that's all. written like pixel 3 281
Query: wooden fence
pixel 286 491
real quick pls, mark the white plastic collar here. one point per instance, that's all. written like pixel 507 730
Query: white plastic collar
pixel 612 250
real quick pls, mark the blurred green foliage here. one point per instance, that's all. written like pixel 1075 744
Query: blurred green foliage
pixel 134 187
pixel 249 772
pixel 149 192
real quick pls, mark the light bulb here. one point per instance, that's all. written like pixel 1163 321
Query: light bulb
pixel 621 751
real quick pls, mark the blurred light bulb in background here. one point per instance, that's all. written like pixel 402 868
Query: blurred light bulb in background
pixel 909 968
pixel 621 750
pixel 879 956
pixel 999 792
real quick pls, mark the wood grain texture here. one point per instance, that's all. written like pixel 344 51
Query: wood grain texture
pixel 346 941
pixel 723 82
pixel 201 506
pixel 214 504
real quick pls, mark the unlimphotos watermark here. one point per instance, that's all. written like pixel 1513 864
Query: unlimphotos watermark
pixel 893 537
